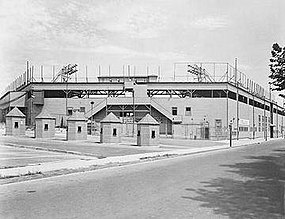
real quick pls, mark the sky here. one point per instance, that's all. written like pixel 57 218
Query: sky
pixel 142 33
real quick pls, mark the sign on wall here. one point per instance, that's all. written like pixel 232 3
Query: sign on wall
pixel 243 122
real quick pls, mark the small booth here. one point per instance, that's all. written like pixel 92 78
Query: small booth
pixel 45 125
pixel 15 123
pixel 111 129
pixel 148 131
pixel 77 127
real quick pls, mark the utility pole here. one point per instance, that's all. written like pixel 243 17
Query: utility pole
pixel 92 104
pixel 283 111
pixel 134 111
pixel 28 72
pixel 230 128
pixel 42 71
pixel 147 70
pixel 237 86
pixel 271 112
pixel 32 73
pixel 86 73
pixel 174 69
pixel 99 70
pixel 264 121
pixel 53 72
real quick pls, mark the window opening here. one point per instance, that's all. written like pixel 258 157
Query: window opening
pixel 152 134
pixel 174 111
pixel 188 111
pixel 114 132
pixel 79 129
pixel 46 127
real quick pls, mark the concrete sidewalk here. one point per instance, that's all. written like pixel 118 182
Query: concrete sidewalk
pixel 84 164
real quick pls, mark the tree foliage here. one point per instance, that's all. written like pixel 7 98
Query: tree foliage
pixel 277 67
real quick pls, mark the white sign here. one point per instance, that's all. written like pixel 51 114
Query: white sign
pixel 243 122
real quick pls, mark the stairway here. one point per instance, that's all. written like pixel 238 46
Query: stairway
pixel 95 109
pixel 161 109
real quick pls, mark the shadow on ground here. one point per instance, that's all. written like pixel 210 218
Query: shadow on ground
pixel 258 194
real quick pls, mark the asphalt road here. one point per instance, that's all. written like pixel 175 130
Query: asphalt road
pixel 236 183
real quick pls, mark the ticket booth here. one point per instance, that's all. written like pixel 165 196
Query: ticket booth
pixel 148 131
pixel 15 123
pixel 45 125
pixel 111 129
pixel 77 127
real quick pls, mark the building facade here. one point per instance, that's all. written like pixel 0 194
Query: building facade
pixel 201 109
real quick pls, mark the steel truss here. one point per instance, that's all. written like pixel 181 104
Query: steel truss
pixel 180 93
pixel 87 93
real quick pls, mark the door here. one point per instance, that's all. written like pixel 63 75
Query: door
pixel 271 131
pixel 207 134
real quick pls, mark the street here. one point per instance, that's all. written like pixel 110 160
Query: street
pixel 244 182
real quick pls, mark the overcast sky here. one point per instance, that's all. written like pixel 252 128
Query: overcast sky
pixel 139 32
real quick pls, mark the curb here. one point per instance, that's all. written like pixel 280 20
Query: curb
pixel 83 164
pixel 121 160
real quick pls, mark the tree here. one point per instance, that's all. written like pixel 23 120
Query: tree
pixel 277 67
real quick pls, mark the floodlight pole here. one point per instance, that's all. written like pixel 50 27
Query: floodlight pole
pixel 237 86
pixel 283 96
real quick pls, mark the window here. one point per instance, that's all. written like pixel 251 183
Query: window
pixel 82 109
pixel 114 132
pixel 101 131
pixel 152 134
pixel 219 94
pixel 202 93
pixel 79 129
pixel 174 111
pixel 251 102
pixel 69 112
pixel 139 133
pixel 218 123
pixel 242 99
pixel 243 129
pixel 232 95
pixel 188 111
pixel 46 127
pixel 16 125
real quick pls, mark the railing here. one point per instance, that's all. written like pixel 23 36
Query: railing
pixel 218 72
pixel 162 109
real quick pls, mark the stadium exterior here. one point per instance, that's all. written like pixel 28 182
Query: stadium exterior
pixel 201 106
